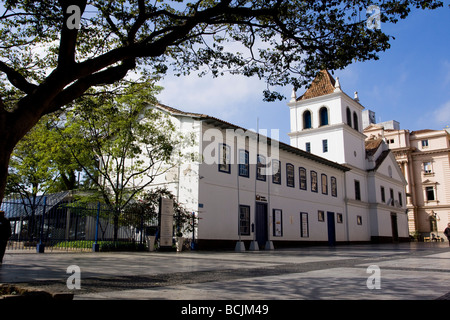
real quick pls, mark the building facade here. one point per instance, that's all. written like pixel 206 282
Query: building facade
pixel 327 122
pixel 245 186
pixel 424 157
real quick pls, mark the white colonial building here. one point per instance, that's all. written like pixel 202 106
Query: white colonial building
pixel 327 122
pixel 328 186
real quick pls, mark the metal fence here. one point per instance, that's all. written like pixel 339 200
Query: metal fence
pixel 53 223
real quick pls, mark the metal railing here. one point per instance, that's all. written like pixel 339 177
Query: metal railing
pixel 51 223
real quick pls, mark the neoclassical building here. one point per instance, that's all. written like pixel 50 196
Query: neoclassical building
pixel 424 157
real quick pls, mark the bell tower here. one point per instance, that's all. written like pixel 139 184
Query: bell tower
pixel 327 122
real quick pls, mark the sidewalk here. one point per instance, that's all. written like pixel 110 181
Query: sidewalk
pixel 407 272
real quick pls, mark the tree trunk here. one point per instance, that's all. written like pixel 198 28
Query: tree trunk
pixel 116 226
pixel 13 127
pixel 5 154
pixel 69 180
pixel 4 162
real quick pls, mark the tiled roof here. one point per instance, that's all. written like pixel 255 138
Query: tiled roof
pixel 179 112
pixel 372 146
pixel 282 145
pixel 323 84
pixel 380 159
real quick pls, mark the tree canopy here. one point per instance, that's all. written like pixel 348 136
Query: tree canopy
pixel 33 169
pixel 52 52
pixel 121 143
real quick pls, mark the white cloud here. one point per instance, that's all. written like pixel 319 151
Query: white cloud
pixel 446 71
pixel 229 97
pixel 223 97
pixel 232 98
pixel 442 115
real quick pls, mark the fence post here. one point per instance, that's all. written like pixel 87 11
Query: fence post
pixel 193 246
pixel 96 246
pixel 41 246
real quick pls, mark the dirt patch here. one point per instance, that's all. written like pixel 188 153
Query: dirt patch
pixel 8 291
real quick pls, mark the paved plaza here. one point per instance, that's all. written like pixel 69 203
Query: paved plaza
pixel 410 271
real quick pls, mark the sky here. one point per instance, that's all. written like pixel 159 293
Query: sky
pixel 410 83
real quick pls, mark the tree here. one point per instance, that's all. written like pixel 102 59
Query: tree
pixel 31 173
pixel 146 208
pixel 121 143
pixel 32 169
pixel 42 163
pixel 52 52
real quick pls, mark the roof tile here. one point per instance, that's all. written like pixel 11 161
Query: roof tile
pixel 323 84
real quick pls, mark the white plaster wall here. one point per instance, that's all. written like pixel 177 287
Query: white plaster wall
pixel 358 232
pixel 218 194
pixel 353 148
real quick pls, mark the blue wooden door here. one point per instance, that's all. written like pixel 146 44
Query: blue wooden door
pixel 261 224
pixel 331 229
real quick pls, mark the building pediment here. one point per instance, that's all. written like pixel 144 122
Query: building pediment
pixel 372 127
pixel 429 182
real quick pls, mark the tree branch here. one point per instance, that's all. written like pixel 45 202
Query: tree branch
pixel 139 22
pixel 17 79
pixel 68 36
pixel 75 90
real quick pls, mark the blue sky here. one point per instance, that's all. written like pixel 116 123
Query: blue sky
pixel 410 83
